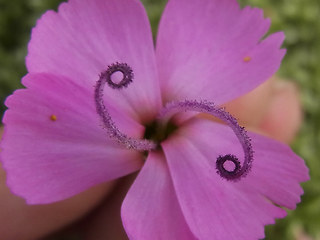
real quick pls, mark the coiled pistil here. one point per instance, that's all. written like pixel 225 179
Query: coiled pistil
pixel 234 174
pixel 207 107
pixel 109 125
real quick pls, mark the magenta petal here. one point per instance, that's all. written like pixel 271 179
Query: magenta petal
pixel 86 36
pixel 150 209
pixel 54 147
pixel 215 208
pixel 279 172
pixel 203 49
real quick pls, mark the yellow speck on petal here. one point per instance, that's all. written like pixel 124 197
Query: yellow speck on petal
pixel 53 118
pixel 247 59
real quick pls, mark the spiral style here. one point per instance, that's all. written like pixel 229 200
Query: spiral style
pixel 114 132
pixel 125 69
pixel 207 107
pixel 172 108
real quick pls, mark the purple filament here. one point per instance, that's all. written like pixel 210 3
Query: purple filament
pixel 114 132
pixel 208 107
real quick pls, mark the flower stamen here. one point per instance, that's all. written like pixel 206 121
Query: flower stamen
pixel 114 132
pixel 207 107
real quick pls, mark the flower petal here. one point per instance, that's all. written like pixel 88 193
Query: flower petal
pixel 212 49
pixel 215 208
pixel 86 36
pixel 150 209
pixel 54 147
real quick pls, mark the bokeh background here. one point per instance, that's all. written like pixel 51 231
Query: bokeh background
pixel 299 19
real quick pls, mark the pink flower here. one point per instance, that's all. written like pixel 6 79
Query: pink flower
pixel 199 179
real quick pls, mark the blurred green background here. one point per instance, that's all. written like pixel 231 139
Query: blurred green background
pixel 299 19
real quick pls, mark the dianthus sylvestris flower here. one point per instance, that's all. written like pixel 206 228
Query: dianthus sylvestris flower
pixel 102 102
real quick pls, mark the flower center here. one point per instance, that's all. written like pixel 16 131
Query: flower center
pixel 157 132
pixel 228 166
